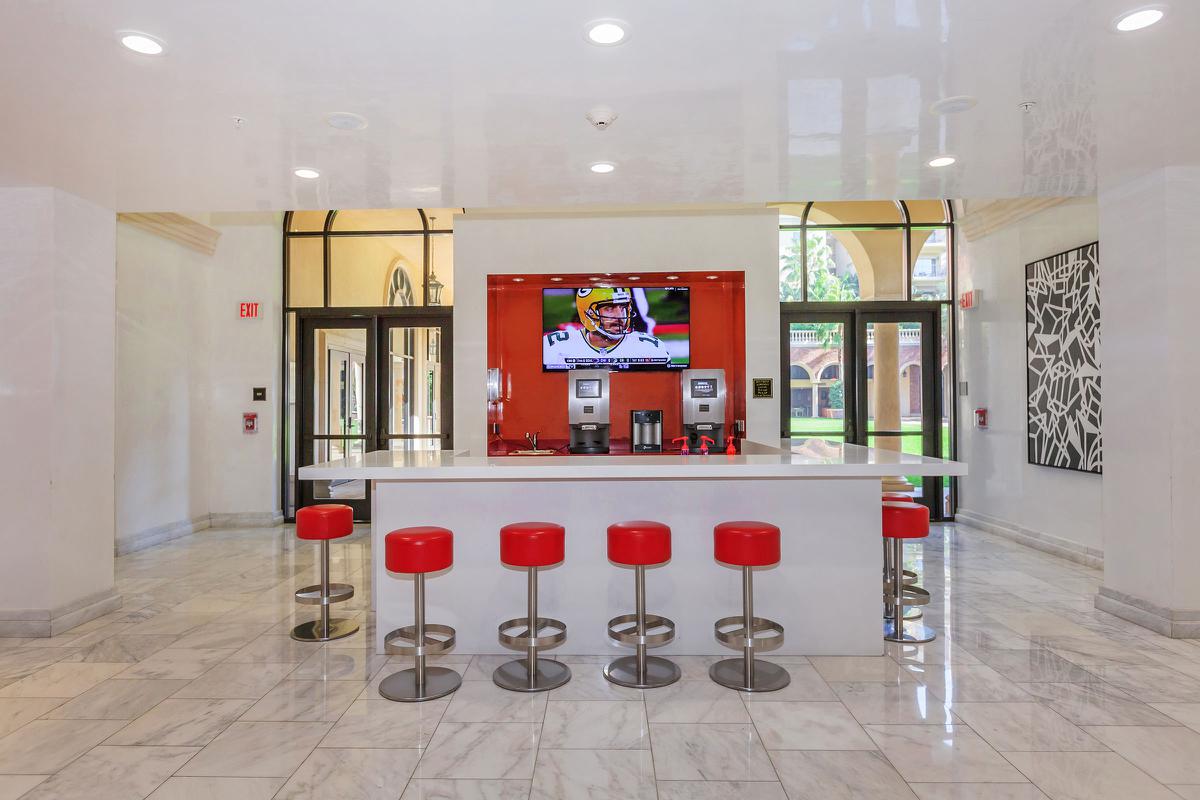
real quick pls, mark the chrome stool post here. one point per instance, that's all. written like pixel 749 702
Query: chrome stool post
pixel 641 671
pixel 419 550
pixel 752 634
pixel 531 674
pixel 910 579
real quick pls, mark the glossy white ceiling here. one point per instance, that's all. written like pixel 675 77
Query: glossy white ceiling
pixel 481 103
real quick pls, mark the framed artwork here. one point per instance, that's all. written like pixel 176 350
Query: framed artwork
pixel 1062 330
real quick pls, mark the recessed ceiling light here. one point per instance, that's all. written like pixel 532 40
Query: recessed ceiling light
pixel 557 280
pixel 1139 18
pixel 606 32
pixel 308 173
pixel 942 161
pixel 346 121
pixel 672 277
pixel 142 43
pixel 953 105
pixel 602 167
pixel 518 280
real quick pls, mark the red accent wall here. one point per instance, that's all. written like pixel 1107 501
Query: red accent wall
pixel 533 400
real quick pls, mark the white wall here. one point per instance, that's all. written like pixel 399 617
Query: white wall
pixel 162 389
pixel 1058 508
pixel 57 396
pixel 186 367
pixel 500 244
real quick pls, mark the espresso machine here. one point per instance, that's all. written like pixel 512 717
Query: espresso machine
pixel 703 405
pixel 587 410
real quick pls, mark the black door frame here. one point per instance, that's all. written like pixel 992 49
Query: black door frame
pixel 377 322
pixel 855 317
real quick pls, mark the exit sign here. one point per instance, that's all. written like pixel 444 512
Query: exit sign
pixel 248 310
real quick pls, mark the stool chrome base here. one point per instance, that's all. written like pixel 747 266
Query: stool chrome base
pixel 660 672
pixel 316 632
pixel 514 675
pixel 731 673
pixel 402 686
pixel 909 633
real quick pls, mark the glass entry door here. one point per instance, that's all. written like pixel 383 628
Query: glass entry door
pixel 868 375
pixel 414 398
pixel 375 381
pixel 336 404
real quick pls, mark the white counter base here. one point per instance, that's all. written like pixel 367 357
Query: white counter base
pixel 826 591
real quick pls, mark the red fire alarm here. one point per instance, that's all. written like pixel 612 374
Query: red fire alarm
pixel 249 422
pixel 981 418
pixel 248 310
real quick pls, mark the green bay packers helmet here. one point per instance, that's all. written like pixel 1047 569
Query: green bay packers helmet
pixel 591 300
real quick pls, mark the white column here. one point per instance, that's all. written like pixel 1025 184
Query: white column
pixel 1149 285
pixel 57 410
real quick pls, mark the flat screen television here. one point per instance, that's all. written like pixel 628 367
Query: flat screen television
pixel 616 327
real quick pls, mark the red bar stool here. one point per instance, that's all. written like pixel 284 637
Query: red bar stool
pixel 640 544
pixel 417 551
pixel 902 521
pixel 748 545
pixel 321 524
pixel 531 545
pixel 910 577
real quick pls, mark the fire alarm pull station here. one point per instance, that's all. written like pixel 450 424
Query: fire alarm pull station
pixel 249 422
pixel 981 415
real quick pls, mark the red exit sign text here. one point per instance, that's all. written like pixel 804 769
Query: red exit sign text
pixel 248 310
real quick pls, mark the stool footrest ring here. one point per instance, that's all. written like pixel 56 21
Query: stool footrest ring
pixel 623 629
pixel 737 638
pixel 911 596
pixel 311 595
pixel 402 641
pixel 522 640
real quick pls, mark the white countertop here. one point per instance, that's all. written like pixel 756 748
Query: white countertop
pixel 794 458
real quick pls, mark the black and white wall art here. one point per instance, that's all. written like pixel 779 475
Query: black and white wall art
pixel 1062 321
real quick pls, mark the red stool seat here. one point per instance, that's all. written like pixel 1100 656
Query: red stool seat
pixel 905 520
pixel 639 543
pixel 328 521
pixel 531 544
pixel 896 497
pixel 422 549
pixel 746 543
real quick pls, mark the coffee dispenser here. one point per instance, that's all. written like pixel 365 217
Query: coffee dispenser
pixel 703 405
pixel 645 430
pixel 587 410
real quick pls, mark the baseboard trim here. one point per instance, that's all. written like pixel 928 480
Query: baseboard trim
pixel 1063 548
pixel 160 534
pixel 1172 622
pixel 247 519
pixel 43 622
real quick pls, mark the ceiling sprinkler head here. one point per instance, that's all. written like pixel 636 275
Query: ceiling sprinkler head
pixel 1027 106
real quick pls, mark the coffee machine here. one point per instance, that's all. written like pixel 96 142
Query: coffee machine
pixel 587 410
pixel 703 405
pixel 645 430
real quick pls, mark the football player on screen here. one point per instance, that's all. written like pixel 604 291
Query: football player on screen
pixel 607 315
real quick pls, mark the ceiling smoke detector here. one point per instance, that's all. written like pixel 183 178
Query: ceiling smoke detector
pixel 601 117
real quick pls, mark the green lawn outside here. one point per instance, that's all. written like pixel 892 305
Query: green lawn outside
pixel 821 426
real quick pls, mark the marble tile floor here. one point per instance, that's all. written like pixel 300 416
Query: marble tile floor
pixel 194 690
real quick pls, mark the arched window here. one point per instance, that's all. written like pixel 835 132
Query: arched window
pixel 799 373
pixel 831 372
pixel 400 288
